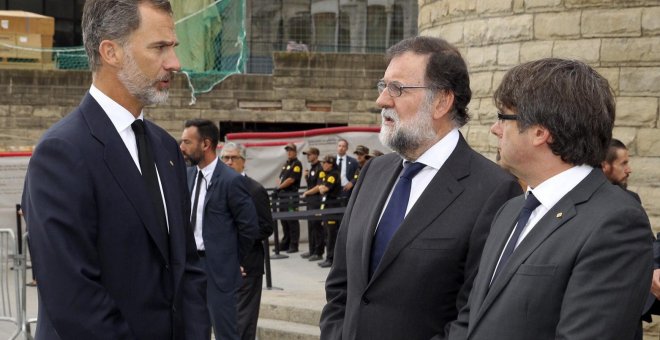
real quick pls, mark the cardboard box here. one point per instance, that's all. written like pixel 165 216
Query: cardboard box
pixel 33 41
pixel 6 51
pixel 26 22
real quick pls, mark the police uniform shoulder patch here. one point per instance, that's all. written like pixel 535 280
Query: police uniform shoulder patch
pixel 288 167
pixel 331 179
pixel 322 174
pixel 296 169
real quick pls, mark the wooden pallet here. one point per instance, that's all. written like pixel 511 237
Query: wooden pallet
pixel 31 64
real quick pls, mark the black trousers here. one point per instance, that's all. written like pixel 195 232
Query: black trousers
pixel 315 228
pixel 249 298
pixel 290 228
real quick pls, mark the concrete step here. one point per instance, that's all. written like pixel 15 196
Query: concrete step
pixel 269 329
pixel 297 311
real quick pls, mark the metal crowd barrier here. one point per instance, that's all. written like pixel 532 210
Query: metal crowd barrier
pixel 12 280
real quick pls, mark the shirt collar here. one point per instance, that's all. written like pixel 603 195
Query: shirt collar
pixel 438 154
pixel 554 188
pixel 119 116
pixel 209 169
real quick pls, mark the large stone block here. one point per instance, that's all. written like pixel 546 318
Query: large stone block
pixel 586 50
pixel 628 136
pixel 644 171
pixel 650 22
pixel 648 143
pixel 481 83
pixel 462 7
pixel 615 22
pixel 637 111
pixel 499 30
pixel 293 104
pixel 561 25
pixel 21 110
pixel 4 110
pixel 612 76
pixel 630 50
pixel 542 4
pixel 478 136
pixel 508 54
pixel 452 32
pixel 534 50
pixel 48 111
pixel 640 81
pixel 494 6
pixel 480 57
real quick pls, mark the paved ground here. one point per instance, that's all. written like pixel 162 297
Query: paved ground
pixel 295 281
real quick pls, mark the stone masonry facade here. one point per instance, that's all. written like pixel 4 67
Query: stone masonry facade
pixel 620 38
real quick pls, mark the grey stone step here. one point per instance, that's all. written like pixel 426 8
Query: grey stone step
pixel 296 307
pixel 269 329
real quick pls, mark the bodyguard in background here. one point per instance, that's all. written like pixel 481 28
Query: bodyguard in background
pixel 287 192
pixel 313 199
pixel 409 244
pixel 570 259
pixel 252 266
pixel 224 221
pixel 105 196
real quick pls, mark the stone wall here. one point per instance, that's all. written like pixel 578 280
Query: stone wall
pixel 304 87
pixel 620 38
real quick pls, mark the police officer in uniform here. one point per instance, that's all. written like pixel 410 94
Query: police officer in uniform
pixel 313 199
pixel 330 188
pixel 362 153
pixel 287 192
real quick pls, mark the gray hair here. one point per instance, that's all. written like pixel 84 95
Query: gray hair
pixel 230 146
pixel 112 20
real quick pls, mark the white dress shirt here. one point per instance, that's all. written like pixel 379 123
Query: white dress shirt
pixel 434 158
pixel 549 193
pixel 122 120
pixel 207 173
pixel 342 169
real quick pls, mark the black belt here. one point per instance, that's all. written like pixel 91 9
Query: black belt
pixel 201 253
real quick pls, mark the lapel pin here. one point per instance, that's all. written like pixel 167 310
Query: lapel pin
pixel 171 163
pixel 560 214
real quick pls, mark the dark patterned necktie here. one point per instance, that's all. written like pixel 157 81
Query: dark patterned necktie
pixel 393 215
pixel 530 204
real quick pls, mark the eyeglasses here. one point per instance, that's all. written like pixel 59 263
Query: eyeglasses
pixel 395 89
pixel 233 158
pixel 501 116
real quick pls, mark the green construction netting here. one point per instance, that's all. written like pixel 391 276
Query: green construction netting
pixel 212 43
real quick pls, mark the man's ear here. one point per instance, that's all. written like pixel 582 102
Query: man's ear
pixel 605 166
pixel 540 135
pixel 111 53
pixel 444 101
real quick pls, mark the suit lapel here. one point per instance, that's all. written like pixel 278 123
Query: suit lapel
pixel 123 169
pixel 214 181
pixel 389 171
pixel 559 215
pixel 437 196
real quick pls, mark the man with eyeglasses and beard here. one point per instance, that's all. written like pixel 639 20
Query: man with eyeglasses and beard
pixel 224 220
pixel 411 238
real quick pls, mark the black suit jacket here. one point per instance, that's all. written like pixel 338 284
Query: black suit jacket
pixel 106 268
pixel 582 272
pixel 426 272
pixel 253 263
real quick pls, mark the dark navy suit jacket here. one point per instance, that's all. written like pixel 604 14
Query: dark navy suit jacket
pixel 229 225
pixel 106 267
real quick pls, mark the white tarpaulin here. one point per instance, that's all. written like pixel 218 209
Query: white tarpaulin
pixel 266 155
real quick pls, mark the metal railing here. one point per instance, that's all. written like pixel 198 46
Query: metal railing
pixel 13 268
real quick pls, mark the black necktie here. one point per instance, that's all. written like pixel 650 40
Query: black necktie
pixel 530 204
pixel 193 215
pixel 339 164
pixel 148 167
pixel 393 215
